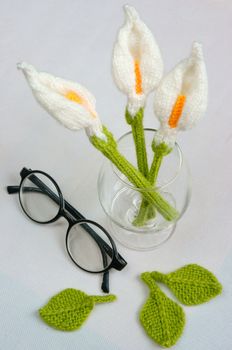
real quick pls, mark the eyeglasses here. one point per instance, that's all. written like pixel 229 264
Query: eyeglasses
pixel 88 244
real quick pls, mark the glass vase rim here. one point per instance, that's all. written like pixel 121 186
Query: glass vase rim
pixel 156 188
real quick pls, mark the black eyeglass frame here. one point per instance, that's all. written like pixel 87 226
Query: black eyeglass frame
pixel 73 217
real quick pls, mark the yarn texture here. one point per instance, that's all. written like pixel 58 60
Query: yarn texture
pixel 181 96
pixel 137 63
pixel 191 284
pixel 109 149
pixel 68 102
pixel 69 309
pixel 137 66
pixel 162 318
pixel 136 123
pixel 146 211
pixel 180 100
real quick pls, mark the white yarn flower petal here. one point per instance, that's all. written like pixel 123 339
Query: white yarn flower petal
pixel 68 102
pixel 181 97
pixel 137 63
pixel 165 135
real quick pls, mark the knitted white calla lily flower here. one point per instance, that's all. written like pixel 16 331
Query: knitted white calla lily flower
pixel 181 97
pixel 68 102
pixel 137 62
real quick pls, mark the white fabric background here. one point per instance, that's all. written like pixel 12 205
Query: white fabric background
pixel 73 39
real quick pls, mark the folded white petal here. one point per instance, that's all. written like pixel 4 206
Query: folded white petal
pixel 96 129
pixel 189 79
pixel 135 43
pixel 50 92
pixel 134 103
pixel 166 135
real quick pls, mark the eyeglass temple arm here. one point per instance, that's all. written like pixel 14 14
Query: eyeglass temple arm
pixel 75 213
pixel 120 262
pixel 12 189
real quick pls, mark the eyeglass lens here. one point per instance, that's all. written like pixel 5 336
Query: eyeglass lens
pixel 89 247
pixel 34 199
pixel 87 244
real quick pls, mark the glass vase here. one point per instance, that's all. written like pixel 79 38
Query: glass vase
pixel 121 201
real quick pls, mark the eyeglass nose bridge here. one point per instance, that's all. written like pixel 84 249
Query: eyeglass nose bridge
pixel 65 214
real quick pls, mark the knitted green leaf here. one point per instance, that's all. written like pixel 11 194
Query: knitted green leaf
pixel 191 284
pixel 69 309
pixel 162 318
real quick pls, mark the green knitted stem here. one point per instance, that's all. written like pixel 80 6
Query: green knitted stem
pixel 145 208
pixel 147 278
pixel 158 276
pixel 109 149
pixel 103 298
pixel 155 167
pixel 144 214
pixel 136 124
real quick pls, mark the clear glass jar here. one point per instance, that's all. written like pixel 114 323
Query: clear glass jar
pixel 121 200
